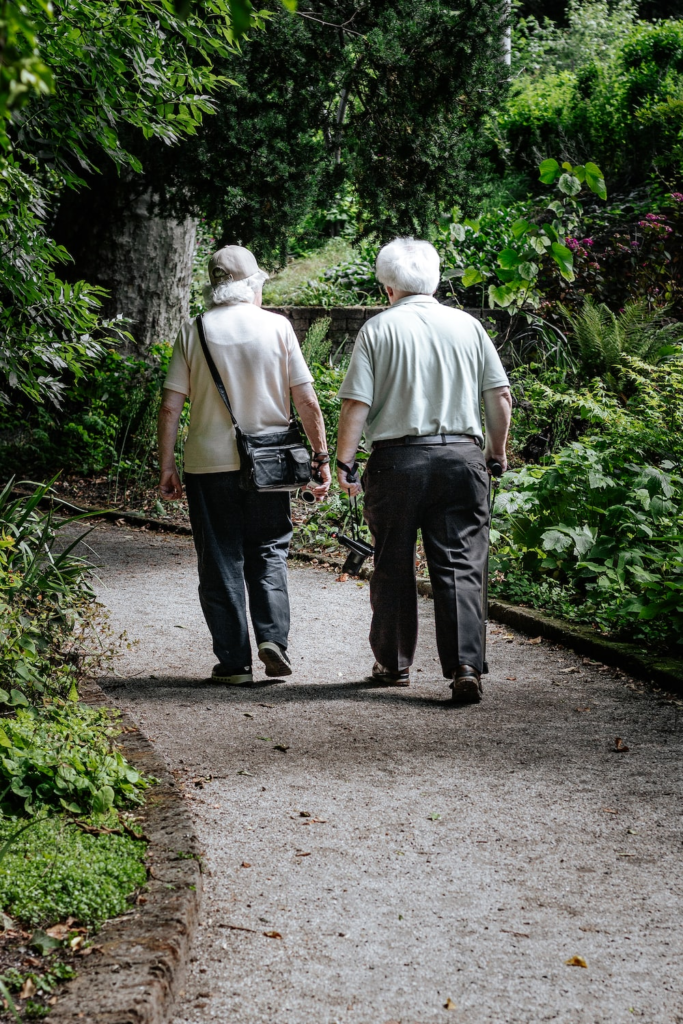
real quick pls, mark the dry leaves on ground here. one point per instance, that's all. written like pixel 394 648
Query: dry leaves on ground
pixel 576 961
pixel 272 935
pixel 449 1005
pixel 619 746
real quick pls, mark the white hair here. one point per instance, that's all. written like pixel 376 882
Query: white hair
pixel 409 265
pixel 228 293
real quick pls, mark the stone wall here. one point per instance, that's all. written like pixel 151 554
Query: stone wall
pixel 348 320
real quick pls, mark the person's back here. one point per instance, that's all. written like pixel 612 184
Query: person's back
pixel 241 535
pixel 259 359
pixel 415 383
pixel 422 368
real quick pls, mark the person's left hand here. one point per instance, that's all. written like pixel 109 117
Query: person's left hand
pixel 352 489
pixel 319 490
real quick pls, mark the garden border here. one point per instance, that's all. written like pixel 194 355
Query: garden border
pixel 142 956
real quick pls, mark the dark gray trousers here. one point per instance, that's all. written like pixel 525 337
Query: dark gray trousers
pixel 442 490
pixel 240 537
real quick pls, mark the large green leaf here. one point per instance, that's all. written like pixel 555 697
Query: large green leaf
pixel 549 171
pixel 569 184
pixel 508 259
pixel 520 227
pixel 595 180
pixel 472 276
pixel 564 259
pixel 501 295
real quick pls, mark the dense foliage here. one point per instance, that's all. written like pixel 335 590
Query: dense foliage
pixel 607 88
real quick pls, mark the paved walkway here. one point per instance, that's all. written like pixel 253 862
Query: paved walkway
pixel 377 856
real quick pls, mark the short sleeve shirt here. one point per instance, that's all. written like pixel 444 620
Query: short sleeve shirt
pixel 259 359
pixel 422 368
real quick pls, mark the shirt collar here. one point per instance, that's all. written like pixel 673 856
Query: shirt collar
pixel 415 298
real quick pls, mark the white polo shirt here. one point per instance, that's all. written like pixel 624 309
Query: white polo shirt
pixel 422 368
pixel 259 359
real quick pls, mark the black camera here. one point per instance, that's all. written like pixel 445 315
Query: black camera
pixel 358 552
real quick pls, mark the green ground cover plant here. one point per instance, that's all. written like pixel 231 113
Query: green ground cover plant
pixel 56 870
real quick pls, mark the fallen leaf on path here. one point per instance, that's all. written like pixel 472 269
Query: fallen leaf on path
pixel 314 821
pixel 304 814
pixel 268 738
pixel 281 746
pixel 610 810
pixel 243 771
pixel 272 935
pixel 449 1005
pixel 248 714
pixel 266 705
pixel 582 709
pixel 303 854
pixel 58 931
pixel 176 626
pixel 246 864
pixel 627 855
pixel 434 816
pixel 572 669
pixel 619 746
pixel 519 935
pixel 589 661
pixel 512 679
pixel 576 961
pixel 237 928
pixel 343 577
pixel 536 640
pixel 28 989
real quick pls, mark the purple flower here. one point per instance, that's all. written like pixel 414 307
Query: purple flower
pixel 634 245
pixel 587 241
pixel 678 196
pixel 572 243
pixel 668 230
pixel 654 216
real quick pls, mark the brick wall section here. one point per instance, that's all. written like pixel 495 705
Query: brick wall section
pixel 348 320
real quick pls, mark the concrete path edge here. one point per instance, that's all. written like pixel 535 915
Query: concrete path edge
pixel 144 953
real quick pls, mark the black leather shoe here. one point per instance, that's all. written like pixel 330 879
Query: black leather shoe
pixel 466 685
pixel 380 674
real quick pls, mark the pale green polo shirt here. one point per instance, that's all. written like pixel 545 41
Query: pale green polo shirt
pixel 422 368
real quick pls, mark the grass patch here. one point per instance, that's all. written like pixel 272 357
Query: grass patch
pixel 283 289
pixel 54 871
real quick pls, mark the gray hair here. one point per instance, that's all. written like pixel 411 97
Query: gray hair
pixel 409 265
pixel 229 293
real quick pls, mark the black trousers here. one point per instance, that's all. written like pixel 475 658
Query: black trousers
pixel 240 537
pixel 442 490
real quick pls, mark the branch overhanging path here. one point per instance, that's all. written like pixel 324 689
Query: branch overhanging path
pixel 374 854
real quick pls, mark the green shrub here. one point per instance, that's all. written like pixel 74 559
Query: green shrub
pixel 54 871
pixel 619 104
pixel 64 756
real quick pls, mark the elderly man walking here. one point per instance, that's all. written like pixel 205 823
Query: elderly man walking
pixel 415 385
pixel 241 536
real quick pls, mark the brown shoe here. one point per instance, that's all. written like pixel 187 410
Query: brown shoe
pixel 466 685
pixel 384 675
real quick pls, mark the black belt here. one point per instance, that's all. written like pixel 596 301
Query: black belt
pixel 394 442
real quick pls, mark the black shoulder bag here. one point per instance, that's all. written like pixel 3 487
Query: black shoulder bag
pixel 268 462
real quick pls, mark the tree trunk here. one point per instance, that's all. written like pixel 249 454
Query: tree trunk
pixel 143 260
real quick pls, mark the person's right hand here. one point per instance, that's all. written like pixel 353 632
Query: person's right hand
pixel 170 487
pixel 495 457
pixel 319 490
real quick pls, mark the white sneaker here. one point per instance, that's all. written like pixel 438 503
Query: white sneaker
pixel 275 659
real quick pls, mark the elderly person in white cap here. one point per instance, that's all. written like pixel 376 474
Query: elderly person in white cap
pixel 415 385
pixel 241 536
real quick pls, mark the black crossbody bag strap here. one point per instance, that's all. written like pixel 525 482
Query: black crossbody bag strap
pixel 217 379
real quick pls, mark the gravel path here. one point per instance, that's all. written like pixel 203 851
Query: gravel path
pixel 401 856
